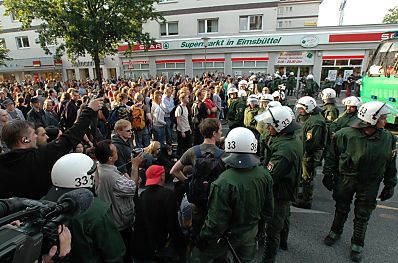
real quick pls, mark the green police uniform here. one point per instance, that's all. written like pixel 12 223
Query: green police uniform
pixel 95 236
pixel 291 84
pixel 261 128
pixel 330 112
pixel 249 115
pixel 236 109
pixel 284 159
pixel 232 196
pixel 358 163
pixel 311 87
pixel 313 134
pixel 328 84
pixel 343 121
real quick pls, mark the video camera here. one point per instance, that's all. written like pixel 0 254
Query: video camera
pixel 39 224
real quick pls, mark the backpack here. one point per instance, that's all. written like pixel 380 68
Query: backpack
pixel 173 114
pixel 112 118
pixel 206 169
pixel 138 117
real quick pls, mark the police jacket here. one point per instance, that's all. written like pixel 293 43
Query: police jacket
pixel 311 87
pixel 343 121
pixel 248 119
pixel 236 109
pixel 26 172
pixel 314 133
pixel 353 153
pixel 330 112
pixel 95 236
pixel 238 199
pixel 283 161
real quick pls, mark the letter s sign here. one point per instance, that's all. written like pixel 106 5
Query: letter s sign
pixel 388 35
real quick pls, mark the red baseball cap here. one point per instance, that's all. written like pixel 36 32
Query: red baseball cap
pixel 154 174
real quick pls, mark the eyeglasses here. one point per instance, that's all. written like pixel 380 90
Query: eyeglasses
pixel 128 130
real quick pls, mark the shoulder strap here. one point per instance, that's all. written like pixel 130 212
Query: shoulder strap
pixel 198 152
pixel 218 153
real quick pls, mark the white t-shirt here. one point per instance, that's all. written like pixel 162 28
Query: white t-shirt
pixel 182 113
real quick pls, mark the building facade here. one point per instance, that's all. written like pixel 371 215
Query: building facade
pixel 232 37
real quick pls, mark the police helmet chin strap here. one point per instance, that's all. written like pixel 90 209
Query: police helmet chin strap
pixel 374 116
pixel 273 119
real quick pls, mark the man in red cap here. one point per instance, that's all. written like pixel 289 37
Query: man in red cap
pixel 156 221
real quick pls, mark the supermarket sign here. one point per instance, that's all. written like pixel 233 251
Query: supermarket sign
pixel 304 40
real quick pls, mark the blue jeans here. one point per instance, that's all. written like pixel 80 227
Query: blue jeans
pixel 169 130
pixel 142 138
pixel 158 134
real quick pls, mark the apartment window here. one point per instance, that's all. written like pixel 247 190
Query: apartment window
pixel 249 23
pixel 288 9
pixel 280 10
pixel 3 43
pixel 280 24
pixel 13 19
pixel 22 42
pixel 208 25
pixel 169 29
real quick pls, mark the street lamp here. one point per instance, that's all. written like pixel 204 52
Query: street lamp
pixel 205 44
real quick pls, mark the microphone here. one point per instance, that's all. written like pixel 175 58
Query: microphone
pixel 73 203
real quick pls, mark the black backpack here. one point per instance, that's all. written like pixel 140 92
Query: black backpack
pixel 206 169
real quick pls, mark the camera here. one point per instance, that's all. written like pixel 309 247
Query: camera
pixel 135 152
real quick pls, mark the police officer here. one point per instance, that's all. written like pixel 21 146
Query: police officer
pixel 236 109
pixel 330 111
pixel 311 87
pixel 244 186
pixel 314 134
pixel 250 112
pixel 283 160
pixel 359 159
pixel 291 84
pixel 351 108
pixel 261 126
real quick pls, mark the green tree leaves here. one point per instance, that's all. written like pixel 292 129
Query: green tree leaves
pixel 392 16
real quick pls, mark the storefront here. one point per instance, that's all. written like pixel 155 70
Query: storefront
pixel 319 51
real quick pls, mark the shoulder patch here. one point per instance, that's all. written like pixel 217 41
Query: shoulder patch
pixel 309 136
pixel 270 166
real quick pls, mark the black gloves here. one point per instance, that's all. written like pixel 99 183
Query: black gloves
pixel 387 193
pixel 328 181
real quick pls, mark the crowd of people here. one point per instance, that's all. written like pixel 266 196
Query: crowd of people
pixel 169 187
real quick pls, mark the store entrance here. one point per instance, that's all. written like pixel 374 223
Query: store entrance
pixel 299 71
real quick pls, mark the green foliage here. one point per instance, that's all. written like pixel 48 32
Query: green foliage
pixel 95 27
pixel 392 16
pixel 3 55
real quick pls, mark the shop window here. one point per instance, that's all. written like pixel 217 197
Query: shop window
pixel 22 42
pixel 250 23
pixel 161 66
pixel 197 65
pixel 356 62
pixel 250 64
pixel 237 64
pixel 261 64
pixel 328 62
pixel 169 29
pixel 208 25
pixel 144 66
pixel 341 62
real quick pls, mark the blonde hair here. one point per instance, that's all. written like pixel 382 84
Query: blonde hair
pixel 152 147
pixel 121 124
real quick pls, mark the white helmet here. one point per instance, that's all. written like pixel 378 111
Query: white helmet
pixel 278 117
pixel 269 78
pixel 273 104
pixel 240 140
pixel 310 76
pixel 292 73
pixel 240 149
pixel 252 99
pixel 284 76
pixel 307 103
pixel 266 97
pixel 252 77
pixel 232 90
pixel 74 170
pixel 277 76
pixel 242 93
pixel 242 83
pixel 290 110
pixel 352 101
pixel 370 112
pixel 327 79
pixel 328 94
pixel 278 94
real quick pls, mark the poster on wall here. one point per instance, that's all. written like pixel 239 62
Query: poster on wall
pixel 347 73
pixel 332 74
pixel 295 58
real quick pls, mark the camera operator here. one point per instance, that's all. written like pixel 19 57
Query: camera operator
pixel 65 239
pixel 25 170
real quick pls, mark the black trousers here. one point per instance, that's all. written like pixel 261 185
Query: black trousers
pixel 183 144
